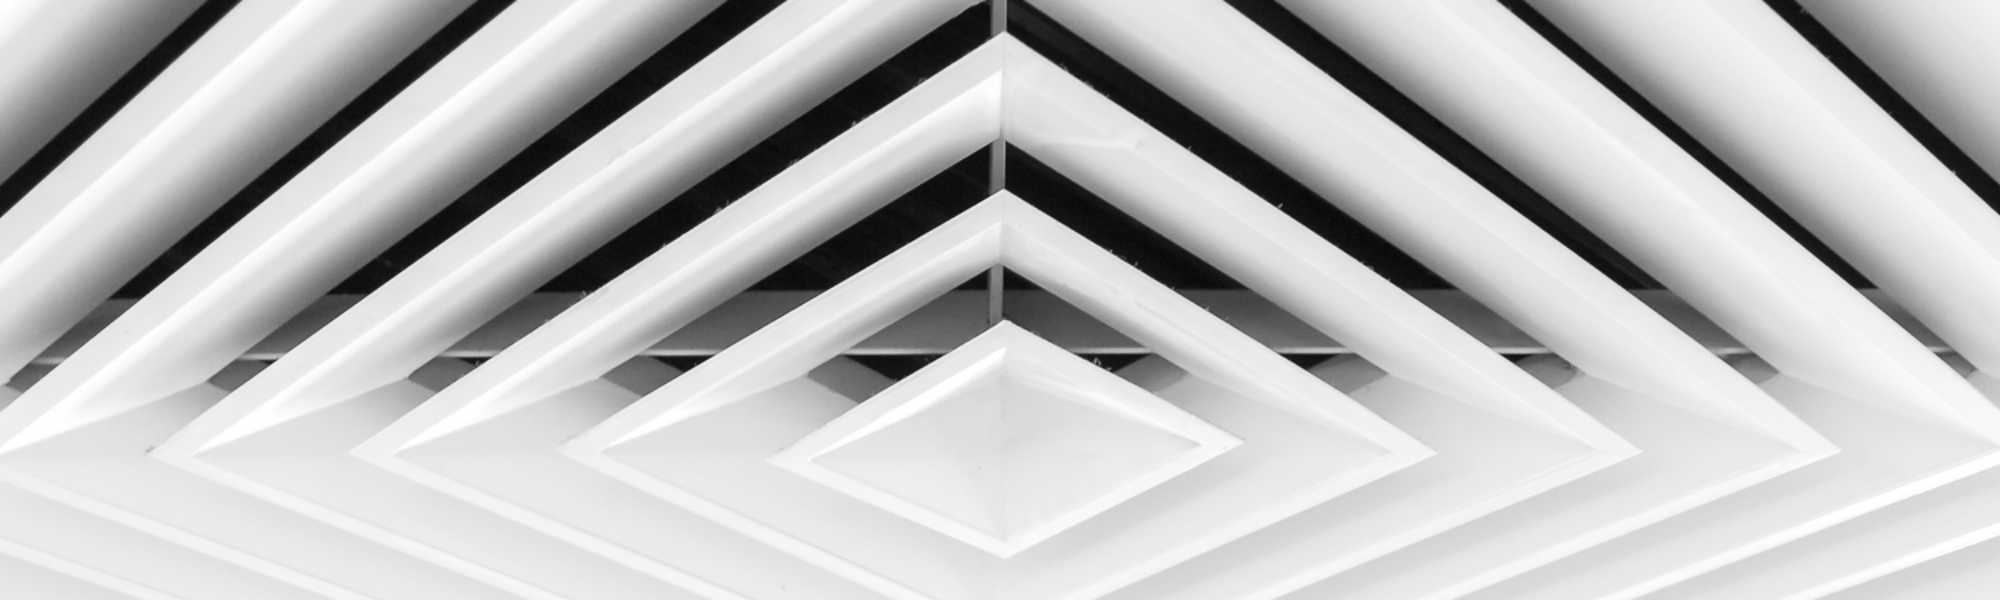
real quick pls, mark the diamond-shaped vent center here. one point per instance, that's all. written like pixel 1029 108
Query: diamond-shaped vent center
pixel 1005 442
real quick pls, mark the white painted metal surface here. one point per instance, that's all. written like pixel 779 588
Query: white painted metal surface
pixel 61 55
pixel 1759 429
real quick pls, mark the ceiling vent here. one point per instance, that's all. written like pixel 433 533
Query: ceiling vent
pixel 998 300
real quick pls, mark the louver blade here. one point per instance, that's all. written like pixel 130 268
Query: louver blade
pixel 998 299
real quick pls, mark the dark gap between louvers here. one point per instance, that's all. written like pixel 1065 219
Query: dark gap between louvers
pixel 323 138
pixel 16 185
pixel 1308 361
pixel 887 230
pixel 1885 96
pixel 826 264
pixel 658 70
pixel 900 366
pixel 1111 229
pixel 1686 141
pixel 1109 361
pixel 1434 134
pixel 897 366
pixel 874 237
pixel 1132 92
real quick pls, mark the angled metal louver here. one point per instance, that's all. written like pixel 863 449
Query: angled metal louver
pixel 1128 368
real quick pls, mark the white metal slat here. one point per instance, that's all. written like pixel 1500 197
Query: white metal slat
pixel 364 505
pixel 952 114
pixel 102 468
pixel 474 485
pixel 731 321
pixel 1875 545
pixel 65 539
pixel 1686 461
pixel 1088 138
pixel 702 113
pixel 1764 100
pixel 605 329
pixel 1003 230
pixel 52 516
pixel 1578 308
pixel 1966 574
pixel 947 118
pixel 47 576
pixel 61 54
pixel 257 83
pixel 1769 78
pixel 1885 459
pixel 1071 129
pixel 158 155
pixel 1923 49
pixel 525 71
pixel 1497 72
pixel 434 141
pixel 1745 47
pixel 1560 320
pixel 508 465
pixel 1515 97
pixel 666 144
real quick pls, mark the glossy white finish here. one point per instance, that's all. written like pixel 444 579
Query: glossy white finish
pixel 258 82
pixel 61 54
pixel 49 577
pixel 961 313
pixel 1889 539
pixel 1005 442
pixel 580 198
pixel 1221 65
pixel 1885 459
pixel 1760 431
pixel 1922 49
pixel 895 149
pixel 525 69
pixel 1966 574
pixel 661 147
pixel 1686 461
pixel 1517 98
pixel 73 499
pixel 688 441
pixel 1765 101
pixel 1405 191
pixel 1046 114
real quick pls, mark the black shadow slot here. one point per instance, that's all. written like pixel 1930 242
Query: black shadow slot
pixel 673 59
pixel 45 160
pixel 887 230
pixel 894 366
pixel 932 203
pixel 1687 142
pixel 1135 94
pixel 1411 117
pixel 1884 95
pixel 1103 224
pixel 318 142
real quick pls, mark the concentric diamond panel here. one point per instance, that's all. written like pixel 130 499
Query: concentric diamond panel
pixel 998 299
pixel 1002 443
